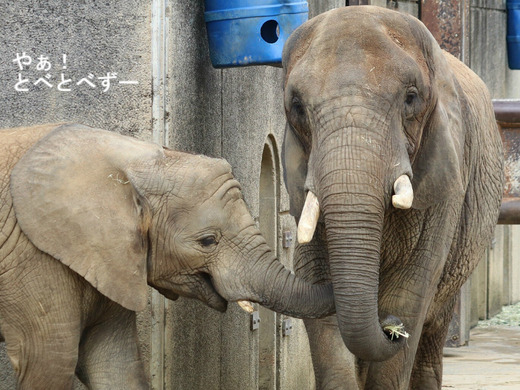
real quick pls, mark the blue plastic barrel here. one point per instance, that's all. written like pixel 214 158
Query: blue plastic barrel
pixel 513 33
pixel 251 32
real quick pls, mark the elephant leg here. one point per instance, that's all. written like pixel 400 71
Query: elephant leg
pixel 108 353
pixel 334 365
pixel 41 346
pixel 40 321
pixel 427 370
pixel 42 363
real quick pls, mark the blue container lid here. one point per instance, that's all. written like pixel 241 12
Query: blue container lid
pixel 250 9
pixel 513 4
pixel 251 32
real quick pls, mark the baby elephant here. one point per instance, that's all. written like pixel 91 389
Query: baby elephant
pixel 88 218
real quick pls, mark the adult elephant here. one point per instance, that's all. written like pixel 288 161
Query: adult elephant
pixel 392 152
pixel 88 218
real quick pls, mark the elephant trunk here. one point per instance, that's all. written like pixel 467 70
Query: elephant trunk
pixel 270 284
pixel 352 198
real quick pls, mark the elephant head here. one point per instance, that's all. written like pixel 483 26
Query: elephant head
pixel 123 213
pixel 373 128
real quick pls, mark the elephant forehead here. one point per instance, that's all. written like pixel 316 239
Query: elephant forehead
pixel 359 23
pixel 211 217
pixel 350 48
pixel 376 48
pixel 212 207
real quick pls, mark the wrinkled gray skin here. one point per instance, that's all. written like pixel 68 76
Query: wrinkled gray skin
pixel 370 96
pixel 88 218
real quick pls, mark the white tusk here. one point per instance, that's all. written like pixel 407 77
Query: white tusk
pixel 246 306
pixel 403 190
pixel 308 219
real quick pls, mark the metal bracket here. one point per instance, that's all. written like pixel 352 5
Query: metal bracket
pixel 255 320
pixel 287 327
pixel 287 239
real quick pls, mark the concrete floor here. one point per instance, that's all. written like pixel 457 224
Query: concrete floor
pixel 490 361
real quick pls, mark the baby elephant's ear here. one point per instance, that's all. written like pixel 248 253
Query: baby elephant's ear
pixel 76 198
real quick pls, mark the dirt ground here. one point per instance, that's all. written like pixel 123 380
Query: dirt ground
pixel 490 361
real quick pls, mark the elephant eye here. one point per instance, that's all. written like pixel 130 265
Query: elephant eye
pixel 297 107
pixel 410 97
pixel 410 103
pixel 208 241
pixel 297 118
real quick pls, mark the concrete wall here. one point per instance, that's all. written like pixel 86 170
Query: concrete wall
pixel 488 54
pixel 97 38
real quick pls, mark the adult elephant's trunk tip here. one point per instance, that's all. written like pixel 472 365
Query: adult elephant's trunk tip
pixel 394 329
pixel 388 341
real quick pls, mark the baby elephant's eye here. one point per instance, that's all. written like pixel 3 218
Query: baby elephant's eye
pixel 208 241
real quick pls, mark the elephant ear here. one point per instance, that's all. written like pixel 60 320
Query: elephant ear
pixel 437 166
pixel 295 170
pixel 298 43
pixel 294 158
pixel 75 198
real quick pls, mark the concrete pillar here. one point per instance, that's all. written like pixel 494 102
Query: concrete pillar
pixel 479 291
pixel 507 274
pixel 515 264
pixel 495 273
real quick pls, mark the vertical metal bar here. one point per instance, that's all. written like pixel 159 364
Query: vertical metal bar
pixel 160 22
pixel 157 341
pixel 160 134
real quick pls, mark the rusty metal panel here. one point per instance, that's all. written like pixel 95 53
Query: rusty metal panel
pixel 443 19
pixel 507 114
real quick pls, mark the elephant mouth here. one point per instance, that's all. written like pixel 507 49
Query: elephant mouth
pixel 211 297
pixel 198 286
